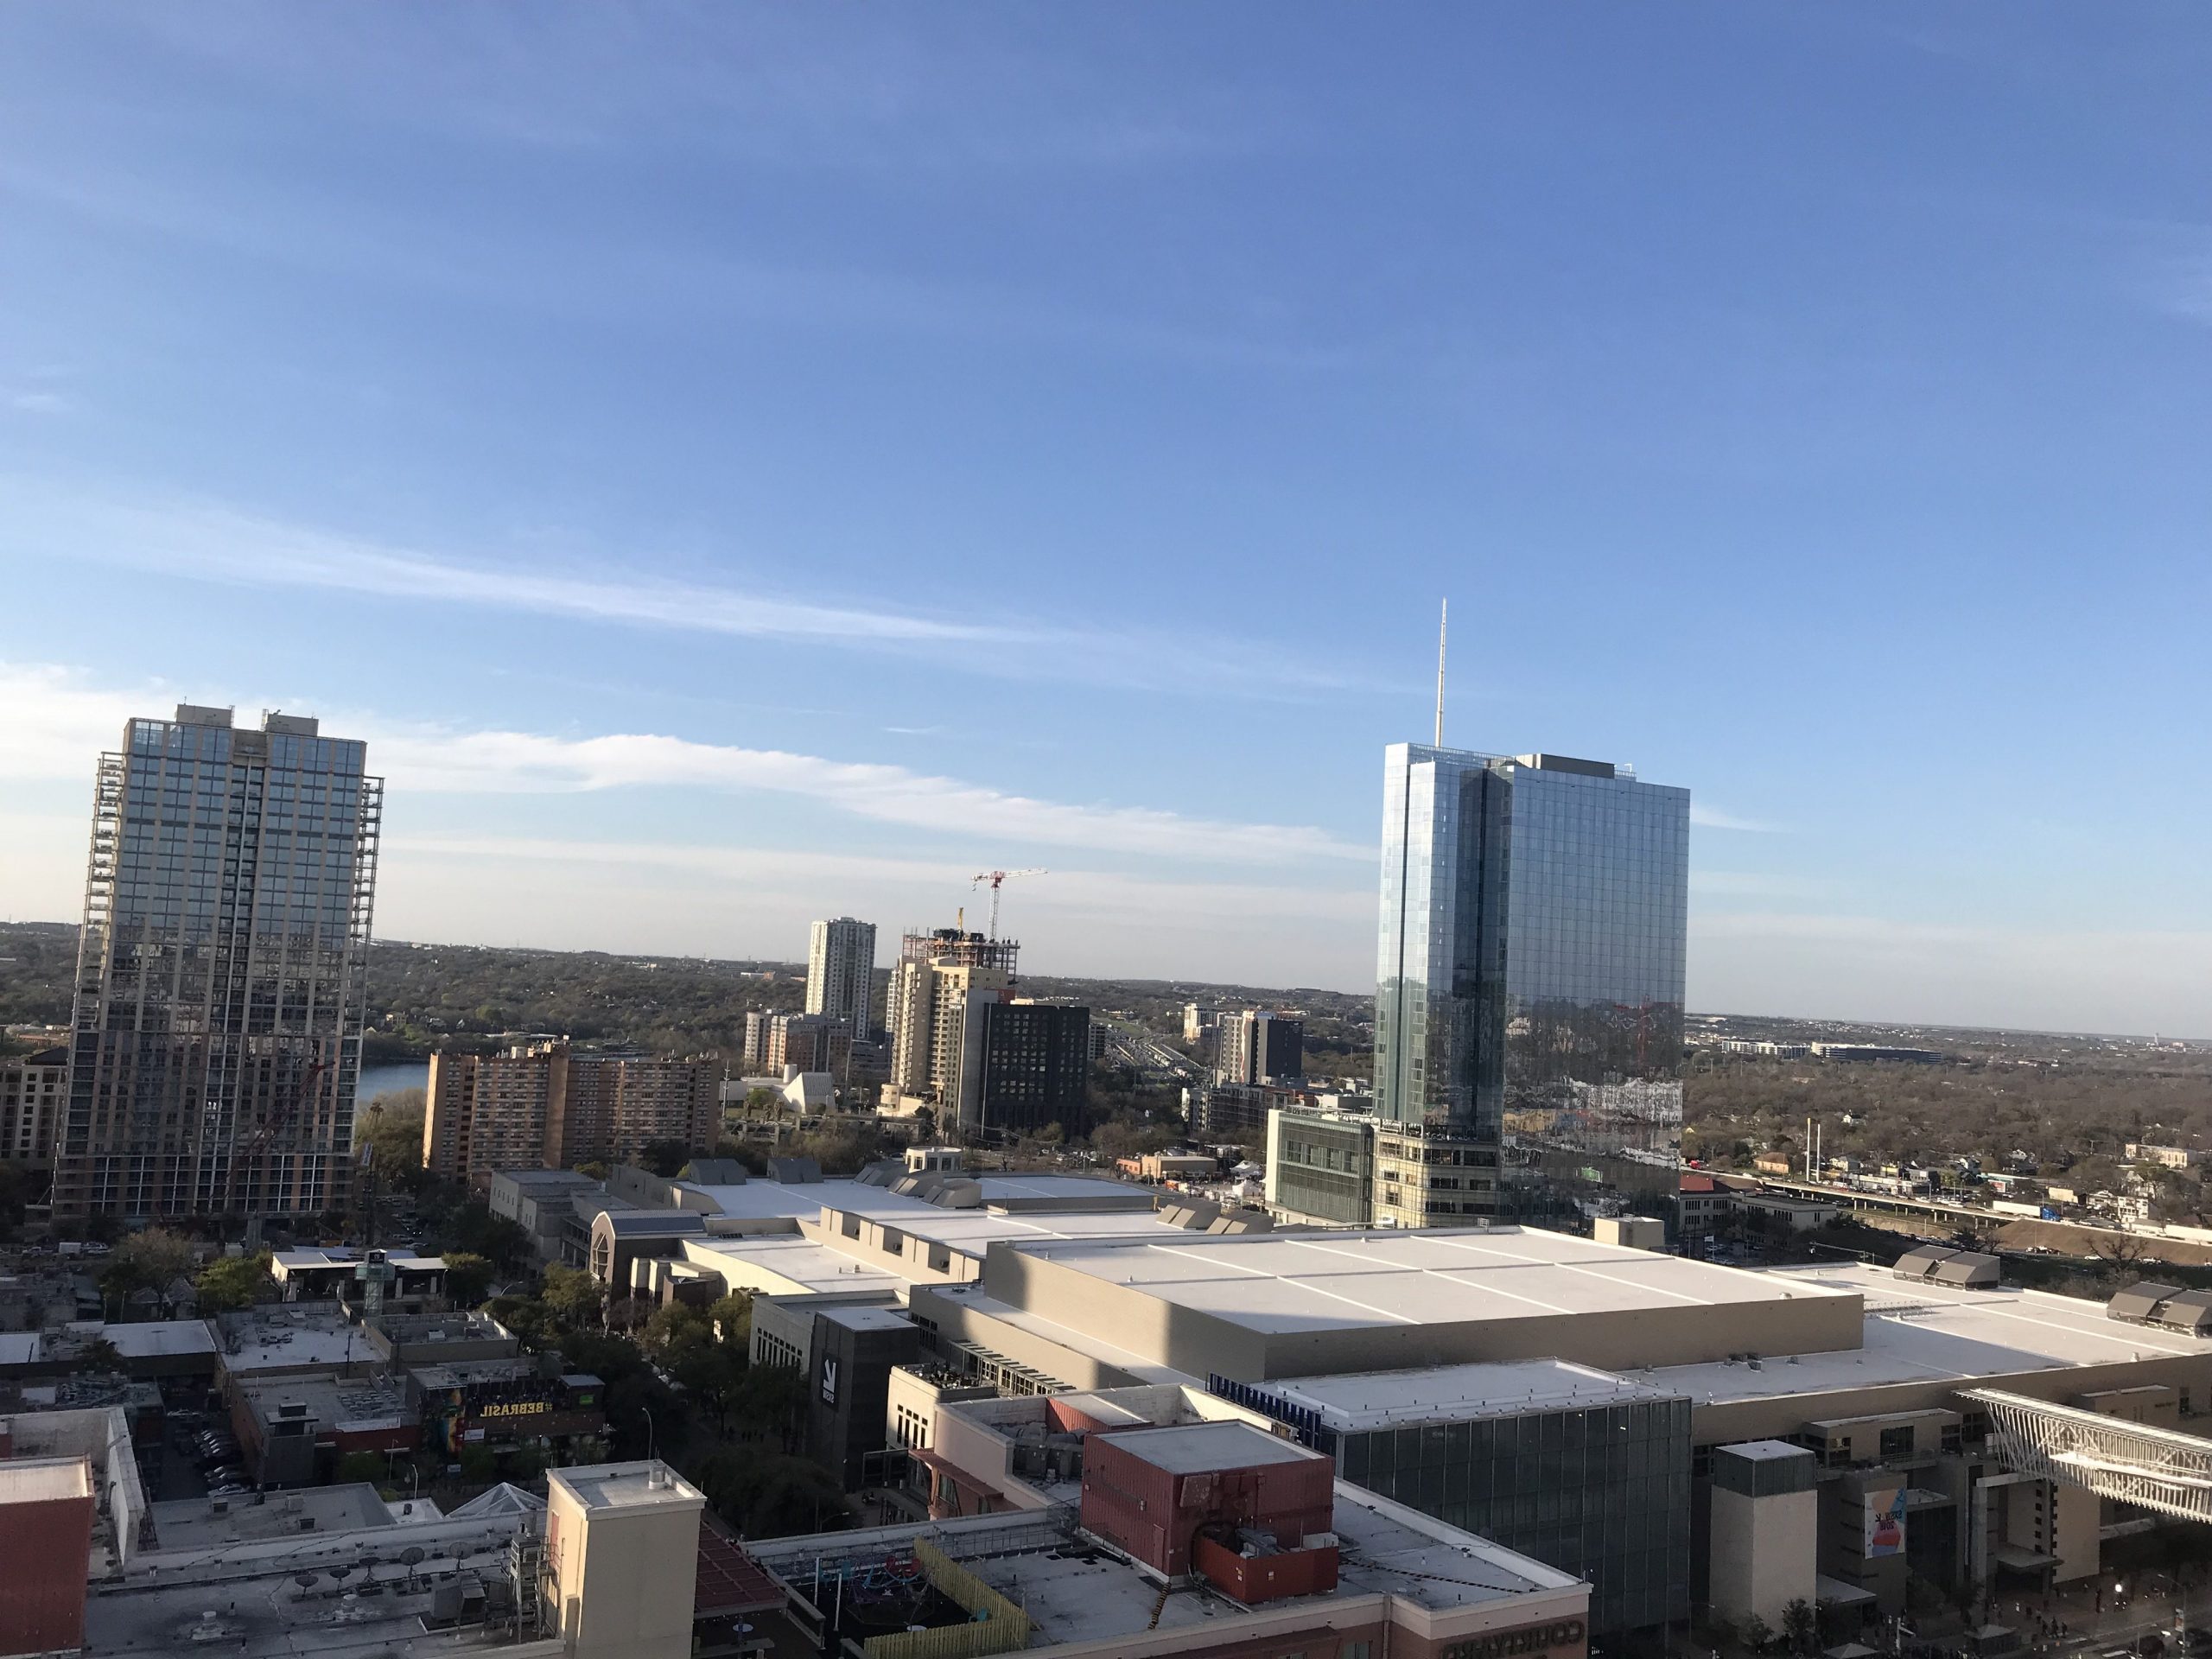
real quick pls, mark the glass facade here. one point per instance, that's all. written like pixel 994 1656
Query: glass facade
pixel 1529 984
pixel 219 980
pixel 1321 1167
pixel 1602 1491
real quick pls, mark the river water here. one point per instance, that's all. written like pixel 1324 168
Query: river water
pixel 387 1079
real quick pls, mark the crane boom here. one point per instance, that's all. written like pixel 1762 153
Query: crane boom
pixel 996 877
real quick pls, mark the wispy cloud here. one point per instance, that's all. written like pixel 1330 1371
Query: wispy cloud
pixel 213 542
pixel 750 83
pixel 519 762
pixel 36 400
pixel 2181 285
pixel 1069 890
pixel 1712 817
pixel 58 722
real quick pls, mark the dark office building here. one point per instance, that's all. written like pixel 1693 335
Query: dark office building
pixel 1023 1065
pixel 1584 1470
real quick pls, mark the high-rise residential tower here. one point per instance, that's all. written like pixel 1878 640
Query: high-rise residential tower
pixel 1258 1045
pixel 841 973
pixel 1534 911
pixel 220 972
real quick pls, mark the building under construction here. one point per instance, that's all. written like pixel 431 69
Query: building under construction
pixel 920 951
pixel 220 974
pixel 961 1042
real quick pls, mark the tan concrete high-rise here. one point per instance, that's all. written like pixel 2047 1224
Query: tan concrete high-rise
pixel 220 972
pixel 930 988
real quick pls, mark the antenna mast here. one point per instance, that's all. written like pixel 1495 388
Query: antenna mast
pixel 1443 616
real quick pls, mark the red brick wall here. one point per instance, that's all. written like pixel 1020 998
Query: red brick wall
pixel 45 1550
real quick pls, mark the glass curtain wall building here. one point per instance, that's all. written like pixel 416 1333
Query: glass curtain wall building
pixel 1534 914
pixel 220 972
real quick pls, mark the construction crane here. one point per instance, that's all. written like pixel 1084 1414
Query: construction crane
pixel 995 877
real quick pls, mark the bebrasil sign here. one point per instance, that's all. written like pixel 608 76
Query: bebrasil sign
pixel 515 1408
pixel 1533 1639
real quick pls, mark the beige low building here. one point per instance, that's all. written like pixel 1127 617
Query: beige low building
pixel 621 1561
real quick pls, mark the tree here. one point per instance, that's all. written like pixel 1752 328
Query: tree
pixel 472 1229
pixel 1801 1626
pixel 608 1358
pixel 674 1331
pixel 528 1317
pixel 732 1320
pixel 624 1314
pixel 468 1277
pixel 772 1398
pixel 235 1281
pixel 770 1495
pixel 925 1126
pixel 572 1296
pixel 715 1375
pixel 99 1354
pixel 152 1261
pixel 664 1158
pixel 1757 1634
pixel 479 1464
pixel 367 1468
pixel 391 1126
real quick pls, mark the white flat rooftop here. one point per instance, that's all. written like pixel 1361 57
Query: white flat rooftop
pixel 1921 1332
pixel 1198 1448
pixel 625 1486
pixel 1282 1283
pixel 1367 1400
pixel 283 1344
pixel 763 1200
pixel 972 1231
pixel 783 1264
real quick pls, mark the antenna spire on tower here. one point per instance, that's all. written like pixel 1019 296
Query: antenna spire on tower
pixel 1443 616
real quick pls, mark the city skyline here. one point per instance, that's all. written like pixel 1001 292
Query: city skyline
pixel 753 470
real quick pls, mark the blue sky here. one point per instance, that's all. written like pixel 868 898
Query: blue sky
pixel 740 464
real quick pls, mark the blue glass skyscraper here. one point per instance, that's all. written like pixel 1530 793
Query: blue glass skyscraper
pixel 1529 995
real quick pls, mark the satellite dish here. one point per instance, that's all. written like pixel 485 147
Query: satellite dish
pixel 412 1555
pixel 305 1581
